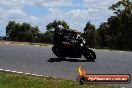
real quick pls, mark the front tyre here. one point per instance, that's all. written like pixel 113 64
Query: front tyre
pixel 89 54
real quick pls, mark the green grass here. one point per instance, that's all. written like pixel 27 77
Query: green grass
pixel 13 80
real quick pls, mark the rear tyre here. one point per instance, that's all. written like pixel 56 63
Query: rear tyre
pixel 89 55
pixel 57 52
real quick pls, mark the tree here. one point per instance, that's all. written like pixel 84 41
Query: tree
pixel 121 24
pixel 102 32
pixel 35 31
pixel 21 32
pixel 89 34
pixel 48 37
pixel 123 6
pixel 9 28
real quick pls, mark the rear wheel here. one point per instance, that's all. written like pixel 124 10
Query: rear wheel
pixel 57 52
pixel 89 55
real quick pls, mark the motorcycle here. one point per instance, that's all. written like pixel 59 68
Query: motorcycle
pixel 73 47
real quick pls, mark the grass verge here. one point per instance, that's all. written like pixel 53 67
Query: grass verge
pixel 24 43
pixel 13 80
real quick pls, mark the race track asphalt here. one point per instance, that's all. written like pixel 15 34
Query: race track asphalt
pixel 41 60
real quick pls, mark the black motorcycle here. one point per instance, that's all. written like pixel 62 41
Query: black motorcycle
pixel 73 46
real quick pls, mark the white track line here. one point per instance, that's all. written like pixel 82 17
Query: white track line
pixel 39 75
pixel 106 50
pixel 1 69
pixel 22 44
pixel 27 73
pixel 7 70
pixel 33 74
pixel 120 51
pixel 49 46
pixel 36 45
pixel 20 72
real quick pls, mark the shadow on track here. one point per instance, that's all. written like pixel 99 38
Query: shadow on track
pixel 51 60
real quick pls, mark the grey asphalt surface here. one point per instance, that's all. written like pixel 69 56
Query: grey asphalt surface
pixel 41 60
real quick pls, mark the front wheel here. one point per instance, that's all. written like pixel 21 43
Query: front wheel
pixel 89 54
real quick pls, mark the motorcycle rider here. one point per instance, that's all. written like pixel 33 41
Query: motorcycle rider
pixel 59 34
pixel 57 38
